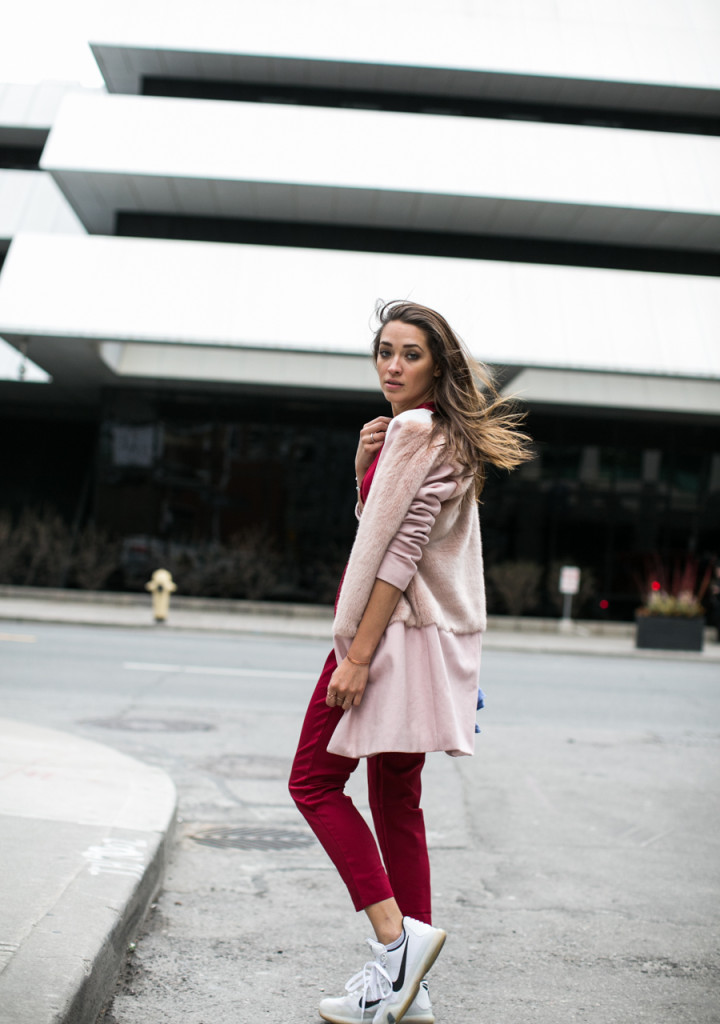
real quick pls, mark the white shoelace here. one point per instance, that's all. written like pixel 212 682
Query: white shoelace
pixel 374 981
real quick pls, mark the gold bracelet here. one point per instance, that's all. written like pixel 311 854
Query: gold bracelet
pixel 352 661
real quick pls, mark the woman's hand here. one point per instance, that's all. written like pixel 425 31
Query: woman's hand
pixel 372 438
pixel 347 685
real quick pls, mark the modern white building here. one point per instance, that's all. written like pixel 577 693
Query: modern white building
pixel 194 255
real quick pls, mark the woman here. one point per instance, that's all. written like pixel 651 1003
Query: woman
pixel 402 678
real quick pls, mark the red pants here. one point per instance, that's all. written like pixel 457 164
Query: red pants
pixel 317 782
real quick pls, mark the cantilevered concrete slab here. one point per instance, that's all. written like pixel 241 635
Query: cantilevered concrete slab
pixel 31 201
pixel 125 67
pixel 416 172
pixel 647 392
pixel 660 57
pixel 28 110
pixel 120 310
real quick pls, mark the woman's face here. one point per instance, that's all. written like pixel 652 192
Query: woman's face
pixel 405 366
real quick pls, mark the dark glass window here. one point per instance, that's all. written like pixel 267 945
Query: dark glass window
pixel 180 473
pixel 422 103
pixel 422 243
pixel 20 158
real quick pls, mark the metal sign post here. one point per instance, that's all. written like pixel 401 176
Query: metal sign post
pixel 568 586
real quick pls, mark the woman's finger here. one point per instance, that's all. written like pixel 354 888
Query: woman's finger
pixel 339 700
pixel 373 435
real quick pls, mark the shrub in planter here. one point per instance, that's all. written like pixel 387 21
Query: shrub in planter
pixel 667 634
pixel 672 617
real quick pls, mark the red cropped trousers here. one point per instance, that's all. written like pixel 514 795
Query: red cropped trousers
pixel 400 867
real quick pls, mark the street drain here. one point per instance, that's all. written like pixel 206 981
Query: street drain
pixel 149 724
pixel 254 838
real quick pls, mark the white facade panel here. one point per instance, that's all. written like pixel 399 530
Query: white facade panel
pixel 117 289
pixel 107 147
pixel 277 369
pixel 32 106
pixel 617 391
pixel 631 42
pixel 31 201
pixel 329 147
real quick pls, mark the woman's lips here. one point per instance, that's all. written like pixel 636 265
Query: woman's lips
pixel 392 384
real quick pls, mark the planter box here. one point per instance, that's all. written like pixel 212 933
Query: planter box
pixel 666 633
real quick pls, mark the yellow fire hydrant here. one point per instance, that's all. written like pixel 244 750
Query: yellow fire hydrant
pixel 161 586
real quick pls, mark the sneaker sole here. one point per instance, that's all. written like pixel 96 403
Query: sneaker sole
pixel 424 1018
pixel 417 1018
pixel 334 1019
pixel 394 1013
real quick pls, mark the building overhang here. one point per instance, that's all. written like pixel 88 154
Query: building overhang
pixel 137 311
pixel 31 201
pixel 82 367
pixel 487 58
pixel 27 111
pixel 215 159
pixel 541 387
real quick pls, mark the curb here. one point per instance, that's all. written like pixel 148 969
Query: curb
pixel 52 980
pixel 86 833
pixel 314 622
pixel 143 600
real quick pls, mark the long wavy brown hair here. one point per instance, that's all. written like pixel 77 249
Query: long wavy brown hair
pixel 481 426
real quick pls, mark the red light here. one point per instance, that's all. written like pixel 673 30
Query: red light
pixel 655 585
pixel 604 604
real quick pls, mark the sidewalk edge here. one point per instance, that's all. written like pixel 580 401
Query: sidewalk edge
pixel 98 987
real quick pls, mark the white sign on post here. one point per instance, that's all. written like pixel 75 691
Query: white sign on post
pixel 568 586
pixel 569 579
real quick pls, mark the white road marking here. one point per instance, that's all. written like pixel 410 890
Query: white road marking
pixel 212 670
pixel 18 638
pixel 117 857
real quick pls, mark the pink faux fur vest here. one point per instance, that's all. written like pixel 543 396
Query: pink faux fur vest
pixel 448 588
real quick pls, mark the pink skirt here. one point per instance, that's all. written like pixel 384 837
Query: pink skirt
pixel 421 695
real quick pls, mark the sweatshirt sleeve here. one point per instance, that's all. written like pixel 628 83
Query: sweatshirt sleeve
pixel 404 551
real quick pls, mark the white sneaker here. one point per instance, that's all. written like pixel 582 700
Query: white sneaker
pixel 388 987
pixel 348 1009
pixel 420 1010
pixel 365 991
pixel 408 965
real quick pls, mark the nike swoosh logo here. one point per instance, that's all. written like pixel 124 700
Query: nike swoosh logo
pixel 400 980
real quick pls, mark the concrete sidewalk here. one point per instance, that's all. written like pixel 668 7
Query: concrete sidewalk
pixel 84 832
pixel 30 604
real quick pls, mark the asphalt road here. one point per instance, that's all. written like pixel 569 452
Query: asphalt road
pixel 575 858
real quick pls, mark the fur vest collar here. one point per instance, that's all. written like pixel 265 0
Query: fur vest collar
pixel 447 589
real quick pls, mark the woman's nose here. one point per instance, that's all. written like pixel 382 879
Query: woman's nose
pixel 395 364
